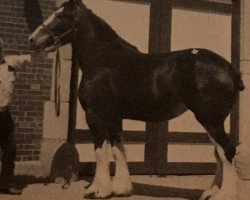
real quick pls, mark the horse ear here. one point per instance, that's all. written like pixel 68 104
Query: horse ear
pixel 78 2
pixel 75 1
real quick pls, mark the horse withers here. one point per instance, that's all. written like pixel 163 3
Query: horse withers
pixel 119 82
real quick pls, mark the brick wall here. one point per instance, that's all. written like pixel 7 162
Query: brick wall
pixel 18 18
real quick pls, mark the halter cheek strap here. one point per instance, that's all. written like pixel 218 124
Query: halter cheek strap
pixel 57 39
pixel 57 90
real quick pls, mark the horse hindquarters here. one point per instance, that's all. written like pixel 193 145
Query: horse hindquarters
pixel 211 101
pixel 206 86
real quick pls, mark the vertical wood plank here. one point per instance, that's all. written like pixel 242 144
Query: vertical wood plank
pixel 235 52
pixel 159 42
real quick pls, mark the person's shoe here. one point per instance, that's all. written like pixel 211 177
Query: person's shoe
pixel 11 191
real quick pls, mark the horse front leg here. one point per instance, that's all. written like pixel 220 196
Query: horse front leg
pixel 121 183
pixel 101 185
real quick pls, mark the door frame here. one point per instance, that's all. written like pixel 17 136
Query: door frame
pixel 156 134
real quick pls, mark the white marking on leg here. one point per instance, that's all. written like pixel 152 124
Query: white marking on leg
pixel 102 170
pixel 218 174
pixel 121 184
pixel 210 192
pixel 101 186
pixel 229 186
pixel 219 166
pixel 217 182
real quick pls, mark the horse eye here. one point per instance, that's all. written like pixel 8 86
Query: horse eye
pixel 70 16
pixel 59 15
pixel 77 20
pixel 64 15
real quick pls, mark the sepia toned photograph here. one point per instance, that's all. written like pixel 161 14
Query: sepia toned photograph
pixel 124 99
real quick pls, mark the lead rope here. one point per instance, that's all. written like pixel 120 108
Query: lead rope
pixel 57 92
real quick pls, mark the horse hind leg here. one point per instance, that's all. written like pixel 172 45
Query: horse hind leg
pixel 229 188
pixel 229 182
pixel 217 182
pixel 121 183
pixel 225 151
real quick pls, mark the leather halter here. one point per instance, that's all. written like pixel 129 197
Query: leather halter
pixel 57 87
pixel 57 38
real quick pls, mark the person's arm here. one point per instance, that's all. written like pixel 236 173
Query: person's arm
pixel 17 61
pixel 20 61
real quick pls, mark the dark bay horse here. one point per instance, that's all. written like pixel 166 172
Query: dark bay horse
pixel 119 82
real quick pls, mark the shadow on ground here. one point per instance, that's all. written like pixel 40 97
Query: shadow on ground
pixel 64 169
pixel 162 191
pixel 22 181
pixel 149 190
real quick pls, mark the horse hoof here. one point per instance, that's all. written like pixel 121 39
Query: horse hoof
pixel 121 187
pixel 215 194
pixel 122 194
pixel 208 194
pixel 95 191
pixel 97 196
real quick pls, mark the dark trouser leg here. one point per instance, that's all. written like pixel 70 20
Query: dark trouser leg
pixel 8 147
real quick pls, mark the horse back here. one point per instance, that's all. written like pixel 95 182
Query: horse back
pixel 157 87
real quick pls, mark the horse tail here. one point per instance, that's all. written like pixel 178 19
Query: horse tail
pixel 235 71
pixel 241 85
pixel 238 82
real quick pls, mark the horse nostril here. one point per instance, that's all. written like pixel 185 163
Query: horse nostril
pixel 32 43
pixel 31 40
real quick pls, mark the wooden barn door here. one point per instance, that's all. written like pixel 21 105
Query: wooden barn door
pixel 181 145
pixel 196 29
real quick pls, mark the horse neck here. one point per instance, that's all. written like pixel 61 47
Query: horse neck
pixel 95 52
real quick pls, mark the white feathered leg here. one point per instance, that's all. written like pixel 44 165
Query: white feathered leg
pixel 230 180
pixel 101 186
pixel 121 184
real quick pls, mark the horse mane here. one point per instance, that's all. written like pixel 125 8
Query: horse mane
pixel 107 32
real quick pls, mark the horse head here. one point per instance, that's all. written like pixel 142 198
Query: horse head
pixel 59 28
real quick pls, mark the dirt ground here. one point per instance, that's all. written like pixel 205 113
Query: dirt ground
pixel 145 188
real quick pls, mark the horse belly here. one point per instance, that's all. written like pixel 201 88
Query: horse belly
pixel 156 101
pixel 176 111
pixel 155 112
